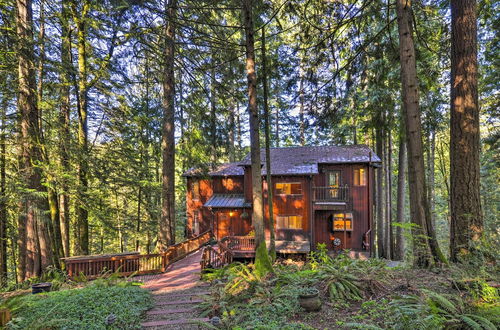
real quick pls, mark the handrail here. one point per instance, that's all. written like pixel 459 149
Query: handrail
pixel 239 243
pixel 212 258
pixel 366 239
pixel 331 194
pixel 126 264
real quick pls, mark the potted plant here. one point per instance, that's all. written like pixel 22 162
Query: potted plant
pixel 309 299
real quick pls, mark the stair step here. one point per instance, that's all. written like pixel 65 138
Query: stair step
pixel 194 294
pixel 178 302
pixel 170 311
pixel 174 322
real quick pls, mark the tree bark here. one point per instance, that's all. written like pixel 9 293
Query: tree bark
pixel 380 195
pixel 257 216
pixel 64 125
pixel 167 222
pixel 466 214
pixel 31 205
pixel 272 239
pixel 82 224
pixel 3 193
pixel 400 207
pixel 424 244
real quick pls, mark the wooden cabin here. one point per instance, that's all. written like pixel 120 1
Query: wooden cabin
pixel 321 194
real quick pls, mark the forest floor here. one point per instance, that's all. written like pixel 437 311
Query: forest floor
pixel 373 310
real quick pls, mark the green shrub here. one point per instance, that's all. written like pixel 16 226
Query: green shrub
pixel 91 307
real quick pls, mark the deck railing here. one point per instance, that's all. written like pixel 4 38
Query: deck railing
pixel 331 194
pixel 239 243
pixel 216 257
pixel 126 264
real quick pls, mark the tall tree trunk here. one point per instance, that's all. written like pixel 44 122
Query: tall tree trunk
pixel 388 194
pixel 49 232
pixel 82 224
pixel 261 258
pixel 231 133
pixel 379 193
pixel 213 117
pixel 431 156
pixel 31 205
pixel 272 245
pixel 466 213
pixel 3 192
pixel 64 125
pixel 424 244
pixel 302 73
pixel 167 222
pixel 400 208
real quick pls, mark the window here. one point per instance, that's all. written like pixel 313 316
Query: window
pixel 288 188
pixel 196 190
pixel 196 223
pixel 342 221
pixel 289 222
pixel 334 183
pixel 360 176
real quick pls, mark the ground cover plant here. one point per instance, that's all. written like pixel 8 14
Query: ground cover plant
pixel 364 294
pixel 107 303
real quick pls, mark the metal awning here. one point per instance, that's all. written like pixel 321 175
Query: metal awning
pixel 227 201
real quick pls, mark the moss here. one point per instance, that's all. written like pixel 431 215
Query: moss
pixel 262 261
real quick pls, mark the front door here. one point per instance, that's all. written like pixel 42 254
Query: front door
pixel 223 225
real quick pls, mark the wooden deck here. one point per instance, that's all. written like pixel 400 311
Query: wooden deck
pixel 126 264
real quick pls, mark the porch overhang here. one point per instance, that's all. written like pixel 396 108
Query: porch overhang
pixel 227 201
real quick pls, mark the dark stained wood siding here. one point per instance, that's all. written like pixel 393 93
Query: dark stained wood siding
pixel 205 216
pixel 358 204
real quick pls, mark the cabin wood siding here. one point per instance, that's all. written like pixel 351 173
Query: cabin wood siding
pixel 315 222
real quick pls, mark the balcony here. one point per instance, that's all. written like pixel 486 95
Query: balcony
pixel 330 198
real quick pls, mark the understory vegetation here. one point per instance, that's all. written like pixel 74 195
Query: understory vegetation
pixel 106 303
pixel 364 294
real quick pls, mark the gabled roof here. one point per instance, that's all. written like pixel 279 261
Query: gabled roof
pixel 226 169
pixel 295 160
pixel 227 201
pixel 305 160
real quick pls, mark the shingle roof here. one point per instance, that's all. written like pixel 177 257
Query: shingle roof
pixel 227 201
pixel 226 169
pixel 295 160
pixel 305 160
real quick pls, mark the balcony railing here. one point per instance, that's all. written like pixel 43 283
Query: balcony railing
pixel 331 194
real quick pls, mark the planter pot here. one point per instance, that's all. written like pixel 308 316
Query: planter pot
pixel 41 287
pixel 310 300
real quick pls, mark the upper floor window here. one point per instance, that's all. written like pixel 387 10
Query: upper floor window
pixel 360 176
pixel 196 190
pixel 334 183
pixel 289 222
pixel 285 188
pixel 196 223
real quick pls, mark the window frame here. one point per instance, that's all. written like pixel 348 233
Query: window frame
pixel 365 171
pixel 290 183
pixel 287 216
pixel 347 216
pixel 196 190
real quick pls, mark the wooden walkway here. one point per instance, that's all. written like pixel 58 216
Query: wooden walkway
pixel 176 293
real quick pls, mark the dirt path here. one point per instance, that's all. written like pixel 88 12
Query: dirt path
pixel 177 294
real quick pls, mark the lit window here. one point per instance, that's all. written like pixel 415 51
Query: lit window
pixel 289 222
pixel 288 189
pixel 360 177
pixel 196 223
pixel 196 190
pixel 342 221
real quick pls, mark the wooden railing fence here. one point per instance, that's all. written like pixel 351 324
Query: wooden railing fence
pixel 239 243
pixel 331 194
pixel 216 258
pixel 127 264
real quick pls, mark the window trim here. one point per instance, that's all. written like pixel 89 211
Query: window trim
pixel 288 216
pixel 196 196
pixel 278 194
pixel 358 168
pixel 345 218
